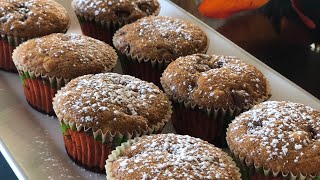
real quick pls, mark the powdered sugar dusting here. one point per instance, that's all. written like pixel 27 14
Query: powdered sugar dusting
pixel 20 11
pixel 170 156
pixel 51 163
pixel 16 14
pixel 65 55
pixel 109 9
pixel 166 27
pixel 119 95
pixel 282 131
pixel 224 81
pixel 58 45
pixel 160 38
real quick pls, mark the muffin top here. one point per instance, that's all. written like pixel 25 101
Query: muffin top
pixel 32 18
pixel 170 156
pixel 214 81
pixel 116 10
pixel 283 136
pixel 65 55
pixel 160 38
pixel 111 102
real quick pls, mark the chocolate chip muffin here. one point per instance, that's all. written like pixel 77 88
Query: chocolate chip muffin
pixel 209 90
pixel 147 46
pixel 25 19
pixel 277 140
pixel 101 19
pixel 170 156
pixel 104 110
pixel 46 64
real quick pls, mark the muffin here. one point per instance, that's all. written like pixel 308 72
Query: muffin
pixel 46 64
pixel 99 112
pixel 170 156
pixel 21 20
pixel 147 46
pixel 208 91
pixel 101 19
pixel 277 140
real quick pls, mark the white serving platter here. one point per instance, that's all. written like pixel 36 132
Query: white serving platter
pixel 32 142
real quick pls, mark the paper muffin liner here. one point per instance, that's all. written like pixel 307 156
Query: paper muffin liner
pixel 102 30
pixel 40 89
pixel 115 154
pixel 7 45
pixel 256 171
pixel 144 68
pixel 209 124
pixel 90 148
pixel 119 150
pixel 251 171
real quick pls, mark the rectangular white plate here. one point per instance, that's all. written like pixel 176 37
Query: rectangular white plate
pixel 32 142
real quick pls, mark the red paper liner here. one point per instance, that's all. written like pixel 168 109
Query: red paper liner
pixel 97 31
pixel 209 124
pixel 261 176
pixel 196 123
pixel 39 95
pixel 6 62
pixel 145 70
pixel 87 152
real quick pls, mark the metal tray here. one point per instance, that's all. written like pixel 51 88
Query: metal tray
pixel 32 142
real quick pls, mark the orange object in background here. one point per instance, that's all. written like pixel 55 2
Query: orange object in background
pixel 225 8
pixel 306 20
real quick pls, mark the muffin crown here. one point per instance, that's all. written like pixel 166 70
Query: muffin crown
pixel 116 10
pixel 32 18
pixel 65 55
pixel 170 156
pixel 281 136
pixel 160 38
pixel 214 81
pixel 111 102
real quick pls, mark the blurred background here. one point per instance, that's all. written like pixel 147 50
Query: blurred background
pixel 284 34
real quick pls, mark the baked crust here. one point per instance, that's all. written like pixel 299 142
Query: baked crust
pixel 280 136
pixel 160 38
pixel 171 156
pixel 214 81
pixel 32 18
pixel 111 102
pixel 116 10
pixel 65 55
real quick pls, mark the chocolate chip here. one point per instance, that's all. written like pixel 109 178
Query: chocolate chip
pixel 2 20
pixel 23 11
pixel 193 86
pixel 312 133
pixel 122 33
pixel 23 18
pixel 146 8
pixel 122 13
pixel 240 97
pixel 217 65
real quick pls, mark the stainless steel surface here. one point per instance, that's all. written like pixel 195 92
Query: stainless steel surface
pixel 34 142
